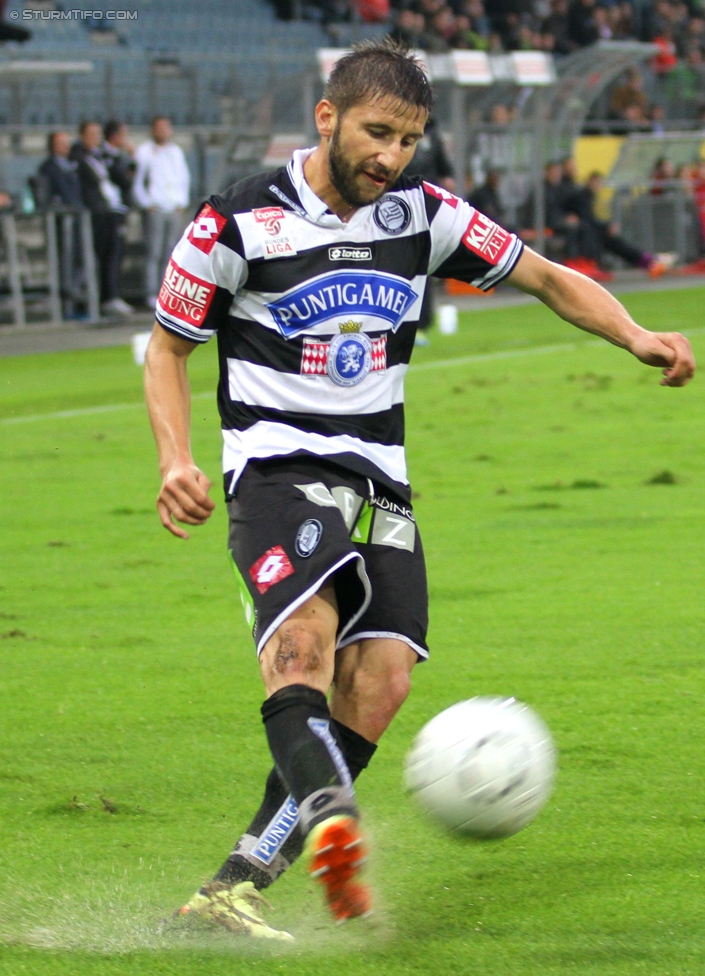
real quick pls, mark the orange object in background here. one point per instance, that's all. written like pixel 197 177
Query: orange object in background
pixel 455 287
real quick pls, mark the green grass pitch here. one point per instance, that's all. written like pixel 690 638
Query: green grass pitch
pixel 560 502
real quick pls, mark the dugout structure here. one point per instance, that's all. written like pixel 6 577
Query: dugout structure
pixel 546 102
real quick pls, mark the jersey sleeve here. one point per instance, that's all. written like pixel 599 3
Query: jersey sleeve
pixel 465 244
pixel 205 270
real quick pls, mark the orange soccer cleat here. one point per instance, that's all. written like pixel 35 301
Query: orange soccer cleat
pixel 336 851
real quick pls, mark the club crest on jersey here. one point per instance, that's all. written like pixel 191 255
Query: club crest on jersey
pixel 392 214
pixel 275 244
pixel 345 292
pixel 346 359
pixel 308 537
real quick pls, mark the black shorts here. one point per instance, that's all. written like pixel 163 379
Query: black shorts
pixel 295 524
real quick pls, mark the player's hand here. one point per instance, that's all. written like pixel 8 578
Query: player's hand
pixel 184 496
pixel 670 350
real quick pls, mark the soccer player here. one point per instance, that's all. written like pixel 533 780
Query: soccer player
pixel 313 277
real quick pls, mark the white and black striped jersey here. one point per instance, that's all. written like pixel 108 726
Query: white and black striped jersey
pixel 316 318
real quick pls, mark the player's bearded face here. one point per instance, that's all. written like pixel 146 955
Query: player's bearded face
pixel 348 177
pixel 359 169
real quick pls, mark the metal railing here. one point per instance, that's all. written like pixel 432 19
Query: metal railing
pixel 48 258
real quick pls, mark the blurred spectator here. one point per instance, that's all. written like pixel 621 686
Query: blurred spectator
pixel 57 179
pixel 666 59
pixel 657 115
pixel 410 28
pixel 598 236
pixel 161 188
pixel 431 163
pixel 699 196
pixel 430 160
pixel 104 199
pixel 373 11
pixel 582 25
pixel 630 93
pixel 486 199
pixel 5 200
pixel 558 218
pixel 119 156
pixel 663 171
pixel 556 26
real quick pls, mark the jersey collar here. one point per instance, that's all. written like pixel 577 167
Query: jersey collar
pixel 315 207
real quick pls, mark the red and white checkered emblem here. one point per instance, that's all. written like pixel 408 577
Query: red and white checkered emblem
pixel 314 358
pixel 271 568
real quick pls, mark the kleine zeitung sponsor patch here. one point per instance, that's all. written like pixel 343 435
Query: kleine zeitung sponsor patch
pixel 185 296
pixel 486 238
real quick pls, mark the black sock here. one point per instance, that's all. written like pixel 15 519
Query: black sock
pixel 277 843
pixel 306 754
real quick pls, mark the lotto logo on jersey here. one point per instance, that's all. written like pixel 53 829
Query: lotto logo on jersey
pixel 271 568
pixel 486 238
pixel 445 195
pixel 206 229
pixel 271 217
pixel 184 296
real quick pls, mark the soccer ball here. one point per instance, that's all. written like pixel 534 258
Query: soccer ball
pixel 483 767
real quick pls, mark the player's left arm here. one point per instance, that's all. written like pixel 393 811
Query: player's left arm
pixel 588 306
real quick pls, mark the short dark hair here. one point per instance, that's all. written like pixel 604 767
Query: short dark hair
pixel 111 127
pixel 379 69
pixel 50 142
pixel 84 125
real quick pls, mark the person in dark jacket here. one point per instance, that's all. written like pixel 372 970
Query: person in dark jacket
pixel 58 175
pixel 431 163
pixel 104 199
pixel 486 198
pixel 119 156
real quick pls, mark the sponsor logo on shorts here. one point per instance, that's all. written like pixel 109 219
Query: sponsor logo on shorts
pixel 486 238
pixel 393 507
pixel 278 830
pixel 349 253
pixel 445 195
pixel 392 214
pixel 345 293
pixel 206 229
pixel 308 537
pixel 185 296
pixel 271 568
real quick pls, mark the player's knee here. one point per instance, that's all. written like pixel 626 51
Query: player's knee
pixel 383 691
pixel 299 652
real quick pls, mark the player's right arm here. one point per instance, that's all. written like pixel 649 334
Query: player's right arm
pixel 184 490
pixel 204 272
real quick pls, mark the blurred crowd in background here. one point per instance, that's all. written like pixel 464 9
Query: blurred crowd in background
pixel 558 26
pixel 104 173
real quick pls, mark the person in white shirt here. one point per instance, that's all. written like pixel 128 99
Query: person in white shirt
pixel 161 188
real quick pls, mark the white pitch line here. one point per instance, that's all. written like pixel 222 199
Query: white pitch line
pixel 434 364
pixel 85 411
